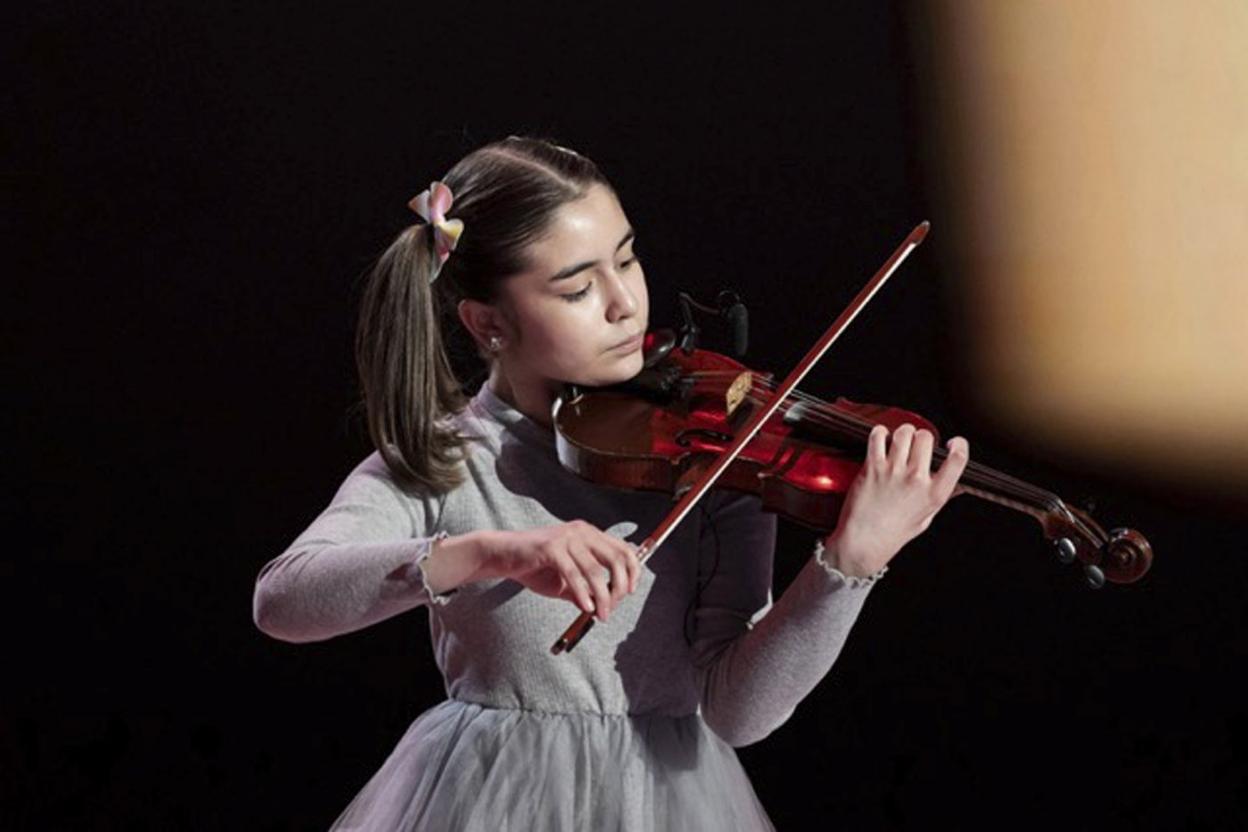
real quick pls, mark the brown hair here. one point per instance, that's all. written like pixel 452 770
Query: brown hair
pixel 506 194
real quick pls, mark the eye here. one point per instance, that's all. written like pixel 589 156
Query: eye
pixel 632 261
pixel 575 296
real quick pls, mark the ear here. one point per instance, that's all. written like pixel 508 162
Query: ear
pixel 482 320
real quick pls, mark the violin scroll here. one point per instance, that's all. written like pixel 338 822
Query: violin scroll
pixel 1121 556
pixel 1128 554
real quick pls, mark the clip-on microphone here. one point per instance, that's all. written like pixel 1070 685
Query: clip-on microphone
pixel 728 307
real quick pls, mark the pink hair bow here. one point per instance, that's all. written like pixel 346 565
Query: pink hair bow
pixel 432 205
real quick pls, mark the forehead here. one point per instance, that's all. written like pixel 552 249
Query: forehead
pixel 588 228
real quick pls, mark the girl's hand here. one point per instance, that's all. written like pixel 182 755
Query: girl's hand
pixel 569 561
pixel 894 497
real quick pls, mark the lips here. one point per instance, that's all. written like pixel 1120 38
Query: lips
pixel 629 344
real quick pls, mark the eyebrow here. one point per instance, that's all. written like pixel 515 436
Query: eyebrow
pixel 563 274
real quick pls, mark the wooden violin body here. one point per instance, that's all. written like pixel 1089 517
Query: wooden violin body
pixel 657 431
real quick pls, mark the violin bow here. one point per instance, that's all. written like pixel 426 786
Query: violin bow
pixel 572 636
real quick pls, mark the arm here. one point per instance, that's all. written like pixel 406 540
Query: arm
pixel 757 660
pixel 754 676
pixel 361 561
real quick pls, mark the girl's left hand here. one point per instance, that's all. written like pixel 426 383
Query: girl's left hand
pixel 894 498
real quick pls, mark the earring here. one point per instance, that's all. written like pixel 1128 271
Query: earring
pixel 495 343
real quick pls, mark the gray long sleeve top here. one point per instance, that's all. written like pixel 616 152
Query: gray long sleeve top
pixel 701 632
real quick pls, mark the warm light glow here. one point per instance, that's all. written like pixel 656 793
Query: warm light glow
pixel 1097 159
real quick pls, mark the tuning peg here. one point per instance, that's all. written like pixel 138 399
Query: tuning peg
pixel 1094 576
pixel 1065 550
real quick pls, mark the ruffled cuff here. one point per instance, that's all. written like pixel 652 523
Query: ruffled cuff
pixel 850 580
pixel 425 551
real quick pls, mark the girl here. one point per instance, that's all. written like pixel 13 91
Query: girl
pixel 465 509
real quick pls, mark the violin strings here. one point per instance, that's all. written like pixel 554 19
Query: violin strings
pixel 829 415
pixel 976 474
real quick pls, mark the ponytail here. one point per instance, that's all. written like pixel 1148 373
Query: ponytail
pixel 406 381
pixel 505 196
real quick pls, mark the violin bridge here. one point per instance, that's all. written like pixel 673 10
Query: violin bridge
pixel 737 391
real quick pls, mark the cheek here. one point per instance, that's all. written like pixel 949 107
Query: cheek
pixel 556 336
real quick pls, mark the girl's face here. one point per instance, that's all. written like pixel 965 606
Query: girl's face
pixel 579 311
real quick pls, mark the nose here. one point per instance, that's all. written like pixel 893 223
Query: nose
pixel 622 300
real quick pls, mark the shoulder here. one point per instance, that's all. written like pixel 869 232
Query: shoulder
pixel 372 478
pixel 375 473
pixel 372 488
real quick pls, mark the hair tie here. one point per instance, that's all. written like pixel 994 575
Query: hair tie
pixel 432 205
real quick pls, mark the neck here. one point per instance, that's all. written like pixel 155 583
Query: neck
pixel 533 398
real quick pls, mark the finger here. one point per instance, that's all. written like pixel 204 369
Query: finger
pixel 921 452
pixel 899 450
pixel 632 564
pixel 626 554
pixel 634 567
pixel 619 579
pixel 613 557
pixel 576 584
pixel 877 447
pixel 951 469
pixel 632 570
pixel 628 557
pixel 593 572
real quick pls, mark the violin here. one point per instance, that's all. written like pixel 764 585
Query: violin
pixel 656 432
pixel 694 418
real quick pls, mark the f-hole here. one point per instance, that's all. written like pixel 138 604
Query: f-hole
pixel 685 438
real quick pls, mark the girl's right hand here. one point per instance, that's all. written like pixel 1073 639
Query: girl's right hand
pixel 570 561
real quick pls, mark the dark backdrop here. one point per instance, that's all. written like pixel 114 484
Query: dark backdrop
pixel 191 192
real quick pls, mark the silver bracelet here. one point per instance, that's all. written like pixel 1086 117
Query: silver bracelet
pixel 850 580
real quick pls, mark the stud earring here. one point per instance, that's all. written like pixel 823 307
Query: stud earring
pixel 495 343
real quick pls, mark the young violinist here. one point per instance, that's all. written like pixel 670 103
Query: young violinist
pixel 464 509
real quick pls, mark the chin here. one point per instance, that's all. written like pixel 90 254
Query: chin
pixel 614 371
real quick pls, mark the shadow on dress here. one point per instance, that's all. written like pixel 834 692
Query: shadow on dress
pixel 656 642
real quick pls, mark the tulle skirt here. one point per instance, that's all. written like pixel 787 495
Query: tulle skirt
pixel 462 766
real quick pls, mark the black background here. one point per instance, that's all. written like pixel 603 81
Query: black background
pixel 191 192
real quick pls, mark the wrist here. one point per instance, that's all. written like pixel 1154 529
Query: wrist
pixel 461 559
pixel 487 554
pixel 850 560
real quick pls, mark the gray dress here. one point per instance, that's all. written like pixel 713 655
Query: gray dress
pixel 632 730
